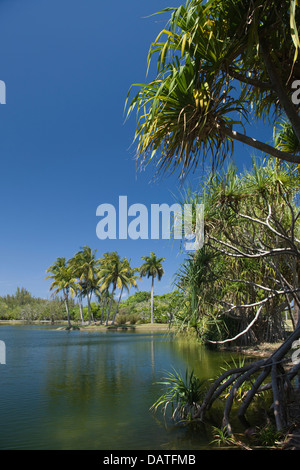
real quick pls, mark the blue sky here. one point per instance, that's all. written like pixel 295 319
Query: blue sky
pixel 64 146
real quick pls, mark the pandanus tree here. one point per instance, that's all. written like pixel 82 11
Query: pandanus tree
pixel 62 281
pixel 250 221
pixel 152 267
pixel 285 138
pixel 252 229
pixel 220 65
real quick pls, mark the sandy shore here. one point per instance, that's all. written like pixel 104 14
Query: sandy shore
pixel 145 327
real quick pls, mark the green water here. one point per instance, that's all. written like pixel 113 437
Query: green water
pixel 93 390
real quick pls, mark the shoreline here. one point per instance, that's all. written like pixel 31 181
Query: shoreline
pixel 143 327
pixel 61 325
pixel 260 350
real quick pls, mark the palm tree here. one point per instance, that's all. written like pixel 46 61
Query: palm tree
pixel 128 279
pixel 87 266
pixel 115 272
pixel 101 296
pixel 152 267
pixel 104 282
pixel 76 266
pixel 105 296
pixel 63 280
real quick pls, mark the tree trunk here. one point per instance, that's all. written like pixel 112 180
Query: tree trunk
pixel 110 304
pixel 152 307
pixel 283 97
pixel 296 299
pixel 67 310
pixel 80 308
pixel 89 309
pixel 117 309
pixel 104 305
pixel 296 314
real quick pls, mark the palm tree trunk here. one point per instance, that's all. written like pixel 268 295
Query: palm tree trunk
pixel 117 309
pixel 80 308
pixel 89 308
pixel 92 313
pixel 67 310
pixel 152 291
pixel 110 304
pixel 104 305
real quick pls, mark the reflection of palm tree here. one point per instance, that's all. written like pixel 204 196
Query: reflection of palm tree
pixel 152 267
pixel 63 280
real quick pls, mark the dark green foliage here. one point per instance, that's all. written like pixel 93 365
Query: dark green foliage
pixel 23 306
pixel 137 306
pixel 137 297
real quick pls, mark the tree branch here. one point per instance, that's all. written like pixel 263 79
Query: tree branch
pixel 250 81
pixel 241 254
pixel 268 149
pixel 242 332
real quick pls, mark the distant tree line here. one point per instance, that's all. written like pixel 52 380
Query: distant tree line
pixel 23 306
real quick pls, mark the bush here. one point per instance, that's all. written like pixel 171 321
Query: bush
pixel 123 318
pixel 183 394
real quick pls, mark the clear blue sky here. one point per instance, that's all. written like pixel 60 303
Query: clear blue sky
pixel 64 146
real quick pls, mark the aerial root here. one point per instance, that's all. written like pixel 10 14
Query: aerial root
pixel 233 379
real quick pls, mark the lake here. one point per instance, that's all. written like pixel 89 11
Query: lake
pixel 93 390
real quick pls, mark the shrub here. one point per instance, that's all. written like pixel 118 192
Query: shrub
pixel 183 394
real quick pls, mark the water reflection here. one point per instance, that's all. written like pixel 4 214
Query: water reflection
pixel 91 390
